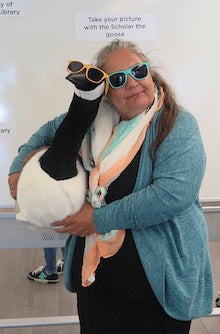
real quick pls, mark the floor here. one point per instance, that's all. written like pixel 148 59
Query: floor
pixel 21 297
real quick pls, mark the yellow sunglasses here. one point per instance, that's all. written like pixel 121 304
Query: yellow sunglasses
pixel 93 74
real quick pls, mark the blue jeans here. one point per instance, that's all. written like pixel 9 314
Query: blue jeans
pixel 50 255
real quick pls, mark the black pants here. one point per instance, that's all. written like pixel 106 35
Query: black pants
pixel 121 301
pixel 127 317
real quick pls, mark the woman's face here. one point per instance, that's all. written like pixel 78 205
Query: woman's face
pixel 133 98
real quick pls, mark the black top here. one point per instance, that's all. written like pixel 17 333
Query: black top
pixel 110 275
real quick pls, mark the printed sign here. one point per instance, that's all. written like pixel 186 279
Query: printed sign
pixel 7 129
pixel 96 27
pixel 13 8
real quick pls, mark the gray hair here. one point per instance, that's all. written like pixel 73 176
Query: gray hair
pixel 115 45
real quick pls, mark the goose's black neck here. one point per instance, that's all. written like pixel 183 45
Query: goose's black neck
pixel 59 161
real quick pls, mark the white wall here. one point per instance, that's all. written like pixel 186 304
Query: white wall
pixel 35 47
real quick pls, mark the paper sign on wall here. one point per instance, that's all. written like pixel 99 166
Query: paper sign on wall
pixel 14 8
pixel 99 26
pixel 7 129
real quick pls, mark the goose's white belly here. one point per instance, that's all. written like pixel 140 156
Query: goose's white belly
pixel 42 200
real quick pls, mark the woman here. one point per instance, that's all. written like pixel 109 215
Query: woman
pixel 142 226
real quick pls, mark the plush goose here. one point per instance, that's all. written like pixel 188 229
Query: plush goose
pixel 53 183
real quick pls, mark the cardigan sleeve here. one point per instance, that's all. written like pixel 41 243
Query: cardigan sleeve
pixel 171 187
pixel 42 137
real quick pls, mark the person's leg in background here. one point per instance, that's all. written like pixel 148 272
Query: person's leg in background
pixel 50 255
pixel 52 264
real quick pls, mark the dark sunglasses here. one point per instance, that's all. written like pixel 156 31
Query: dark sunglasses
pixel 137 72
pixel 93 74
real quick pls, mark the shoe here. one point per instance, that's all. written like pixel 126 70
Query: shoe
pixel 39 275
pixel 60 266
pixel 217 301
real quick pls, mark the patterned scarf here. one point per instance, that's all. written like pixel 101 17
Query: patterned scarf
pixel 106 153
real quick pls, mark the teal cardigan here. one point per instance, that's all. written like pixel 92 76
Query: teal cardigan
pixel 164 214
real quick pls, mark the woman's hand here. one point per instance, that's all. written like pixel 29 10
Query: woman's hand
pixel 80 224
pixel 12 182
pixel 13 178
